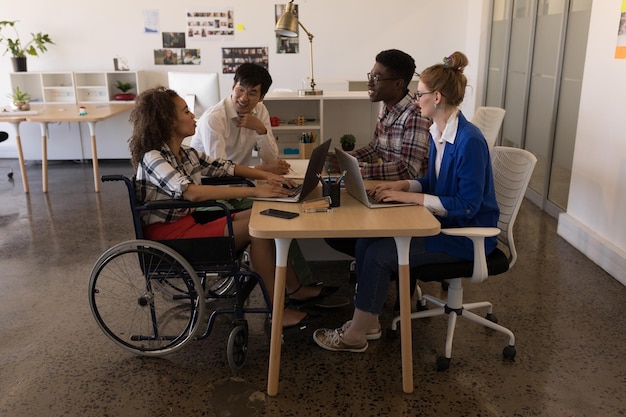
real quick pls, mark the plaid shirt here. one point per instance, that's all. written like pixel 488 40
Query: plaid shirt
pixel 161 176
pixel 399 149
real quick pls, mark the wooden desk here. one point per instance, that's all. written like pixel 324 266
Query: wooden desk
pixel 49 113
pixel 352 219
pixel 15 121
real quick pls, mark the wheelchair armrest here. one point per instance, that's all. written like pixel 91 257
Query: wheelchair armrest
pixel 114 177
pixel 234 180
pixel 179 203
pixel 200 217
pixel 477 236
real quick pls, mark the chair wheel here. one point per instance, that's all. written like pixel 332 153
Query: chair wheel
pixel 509 352
pixel 444 285
pixel 393 334
pixel 237 350
pixel 443 363
pixel 492 318
pixel 10 175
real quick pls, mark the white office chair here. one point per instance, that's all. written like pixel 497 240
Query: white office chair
pixel 512 169
pixel 489 121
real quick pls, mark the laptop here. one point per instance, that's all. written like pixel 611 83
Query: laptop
pixel 354 182
pixel 315 167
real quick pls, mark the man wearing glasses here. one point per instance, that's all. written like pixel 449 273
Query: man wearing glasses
pixel 234 126
pixel 399 148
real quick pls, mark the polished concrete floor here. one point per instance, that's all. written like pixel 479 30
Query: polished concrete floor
pixel 566 312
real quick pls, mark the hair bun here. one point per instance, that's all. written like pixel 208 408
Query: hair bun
pixel 457 61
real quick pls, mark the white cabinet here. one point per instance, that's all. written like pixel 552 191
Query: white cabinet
pixel 75 87
pixel 330 115
pixel 49 87
pixel 97 87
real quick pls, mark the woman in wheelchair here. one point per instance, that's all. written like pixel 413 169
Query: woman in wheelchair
pixel 166 169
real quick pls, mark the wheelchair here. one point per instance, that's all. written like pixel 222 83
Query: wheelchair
pixel 153 297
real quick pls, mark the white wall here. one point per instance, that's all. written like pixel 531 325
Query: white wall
pixel 595 221
pixel 90 34
pixel 348 34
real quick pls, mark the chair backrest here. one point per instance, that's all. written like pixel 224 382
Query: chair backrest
pixel 512 168
pixel 489 121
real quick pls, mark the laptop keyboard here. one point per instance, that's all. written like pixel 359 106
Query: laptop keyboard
pixel 372 200
pixel 295 190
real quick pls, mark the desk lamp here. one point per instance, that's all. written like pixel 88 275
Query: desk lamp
pixel 287 25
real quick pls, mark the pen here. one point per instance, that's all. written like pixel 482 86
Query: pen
pixel 339 178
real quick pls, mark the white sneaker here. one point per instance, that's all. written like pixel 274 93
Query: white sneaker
pixel 372 334
pixel 332 340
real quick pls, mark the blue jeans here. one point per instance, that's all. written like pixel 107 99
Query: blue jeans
pixel 377 262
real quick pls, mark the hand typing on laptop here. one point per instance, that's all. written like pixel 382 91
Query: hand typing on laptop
pixel 396 191
pixel 275 189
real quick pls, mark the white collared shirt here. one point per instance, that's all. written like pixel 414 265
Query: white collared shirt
pixel 218 135
pixel 432 202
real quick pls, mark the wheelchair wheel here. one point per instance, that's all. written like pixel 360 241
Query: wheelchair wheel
pixel 146 297
pixel 237 349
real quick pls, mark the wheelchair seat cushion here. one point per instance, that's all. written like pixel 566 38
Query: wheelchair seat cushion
pixel 205 254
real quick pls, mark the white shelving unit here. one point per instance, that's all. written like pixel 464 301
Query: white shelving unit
pixel 49 87
pixel 330 115
pixel 75 87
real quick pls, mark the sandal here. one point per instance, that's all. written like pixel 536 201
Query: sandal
pixel 324 292
pixel 302 324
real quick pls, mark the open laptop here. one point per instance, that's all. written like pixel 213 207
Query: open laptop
pixel 354 182
pixel 315 167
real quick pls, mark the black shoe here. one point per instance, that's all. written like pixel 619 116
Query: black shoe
pixel 309 318
pixel 325 292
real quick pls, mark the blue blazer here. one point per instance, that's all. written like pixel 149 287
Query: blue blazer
pixel 465 188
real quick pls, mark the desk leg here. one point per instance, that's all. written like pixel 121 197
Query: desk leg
pixel 20 155
pixel 44 155
pixel 403 245
pixel 94 156
pixel 282 253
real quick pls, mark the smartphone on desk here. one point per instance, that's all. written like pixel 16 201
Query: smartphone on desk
pixel 280 213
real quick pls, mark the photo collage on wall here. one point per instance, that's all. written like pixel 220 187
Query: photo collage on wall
pixel 174 51
pixel 210 26
pixel 233 57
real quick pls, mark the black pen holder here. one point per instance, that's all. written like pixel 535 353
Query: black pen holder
pixel 332 189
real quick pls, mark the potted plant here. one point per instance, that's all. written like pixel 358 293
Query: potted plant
pixel 20 100
pixel 19 51
pixel 347 142
pixel 124 87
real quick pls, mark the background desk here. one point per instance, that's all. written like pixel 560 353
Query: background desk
pixel 352 219
pixel 49 113
pixel 14 121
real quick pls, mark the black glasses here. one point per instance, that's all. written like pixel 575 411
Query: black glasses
pixel 376 78
pixel 419 95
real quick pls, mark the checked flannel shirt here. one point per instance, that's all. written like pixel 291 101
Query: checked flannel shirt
pixel 160 176
pixel 399 149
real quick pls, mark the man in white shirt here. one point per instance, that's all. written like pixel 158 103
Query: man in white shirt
pixel 233 127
